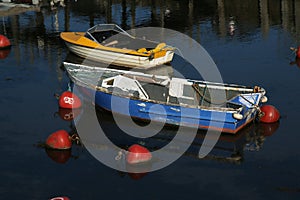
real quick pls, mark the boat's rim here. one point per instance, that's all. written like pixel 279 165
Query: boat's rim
pixel 105 90
pixel 79 67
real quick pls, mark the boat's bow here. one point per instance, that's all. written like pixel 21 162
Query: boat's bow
pixel 79 39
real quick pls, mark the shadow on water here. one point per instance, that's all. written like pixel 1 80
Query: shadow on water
pixel 229 147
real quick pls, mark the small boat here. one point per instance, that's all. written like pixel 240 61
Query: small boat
pixel 171 100
pixel 108 43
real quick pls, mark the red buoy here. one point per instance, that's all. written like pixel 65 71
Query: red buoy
pixel 271 114
pixel 4 42
pixel 59 140
pixel 138 154
pixel 60 198
pixel 69 100
pixel 298 52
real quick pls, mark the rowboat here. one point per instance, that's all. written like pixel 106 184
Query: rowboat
pixel 108 43
pixel 170 100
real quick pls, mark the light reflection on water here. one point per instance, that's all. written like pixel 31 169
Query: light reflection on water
pixel 256 53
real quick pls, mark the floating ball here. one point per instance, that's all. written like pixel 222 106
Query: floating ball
pixel 59 140
pixel 60 198
pixel 4 42
pixel 138 154
pixel 298 52
pixel 69 100
pixel 271 114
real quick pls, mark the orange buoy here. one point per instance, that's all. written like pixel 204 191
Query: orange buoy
pixel 69 100
pixel 271 114
pixel 4 42
pixel 59 140
pixel 138 154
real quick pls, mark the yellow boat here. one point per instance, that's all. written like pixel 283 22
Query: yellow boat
pixel 110 44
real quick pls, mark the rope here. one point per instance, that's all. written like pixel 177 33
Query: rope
pixel 204 98
pixel 181 54
pixel 260 113
pixel 4 28
pixel 75 138
pixel 293 53
pixel 69 87
pixel 120 155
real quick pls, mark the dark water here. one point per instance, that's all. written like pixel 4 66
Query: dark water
pixel 261 162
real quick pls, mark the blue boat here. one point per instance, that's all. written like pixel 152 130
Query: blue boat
pixel 170 100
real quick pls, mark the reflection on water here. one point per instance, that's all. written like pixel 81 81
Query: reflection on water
pixel 4 53
pixel 229 148
pixel 223 16
pixel 39 30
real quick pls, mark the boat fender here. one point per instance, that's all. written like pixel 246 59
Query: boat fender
pixel 237 116
pixel 264 99
pixel 138 154
pixel 69 100
pixel 4 42
pixel 270 114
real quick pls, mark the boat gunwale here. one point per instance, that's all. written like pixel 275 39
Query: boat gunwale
pixel 200 107
pixel 99 46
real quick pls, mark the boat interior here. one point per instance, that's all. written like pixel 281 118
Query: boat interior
pixel 174 91
pixel 113 38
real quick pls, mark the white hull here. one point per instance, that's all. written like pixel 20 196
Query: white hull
pixel 119 59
